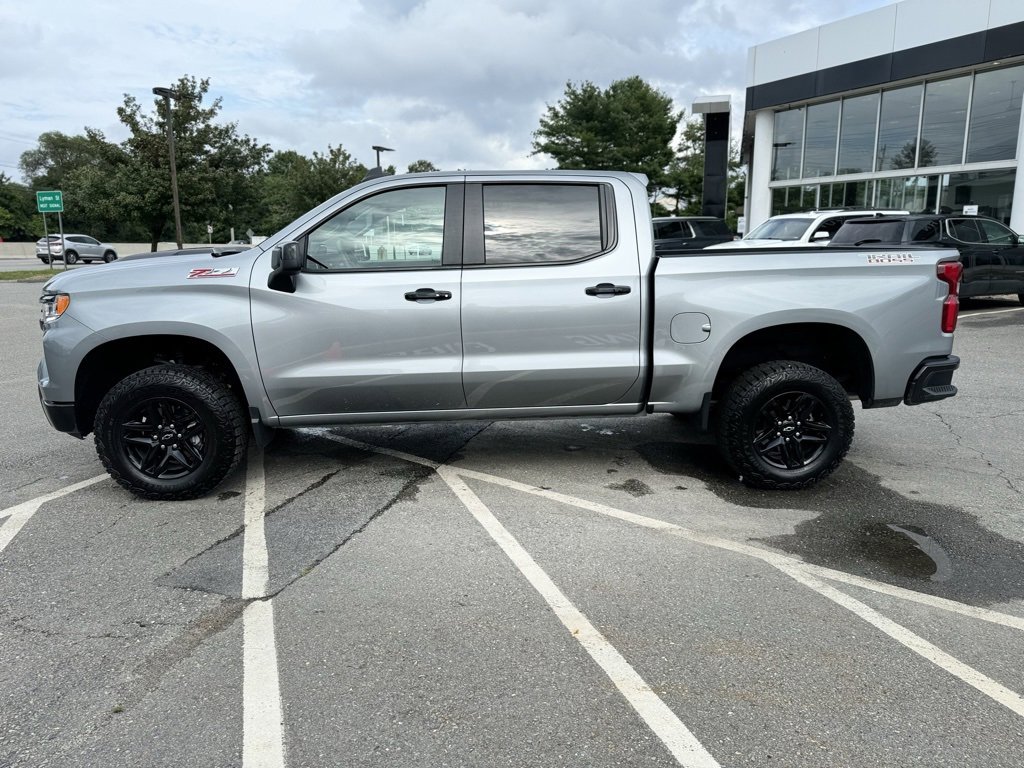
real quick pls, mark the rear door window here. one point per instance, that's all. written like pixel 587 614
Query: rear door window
pixel 965 230
pixel 542 223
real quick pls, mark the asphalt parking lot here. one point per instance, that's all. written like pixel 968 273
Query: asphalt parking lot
pixel 536 593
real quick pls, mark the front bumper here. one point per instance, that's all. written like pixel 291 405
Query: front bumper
pixel 61 416
pixel 932 380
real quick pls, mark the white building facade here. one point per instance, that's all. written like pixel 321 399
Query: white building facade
pixel 914 106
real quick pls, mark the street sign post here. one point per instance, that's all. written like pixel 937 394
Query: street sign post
pixel 50 202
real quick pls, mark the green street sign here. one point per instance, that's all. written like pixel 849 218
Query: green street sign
pixel 50 202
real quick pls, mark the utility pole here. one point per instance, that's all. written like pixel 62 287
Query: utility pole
pixel 168 94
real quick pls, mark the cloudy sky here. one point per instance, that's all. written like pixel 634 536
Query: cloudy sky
pixel 456 82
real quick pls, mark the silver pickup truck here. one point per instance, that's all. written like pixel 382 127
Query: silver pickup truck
pixel 489 296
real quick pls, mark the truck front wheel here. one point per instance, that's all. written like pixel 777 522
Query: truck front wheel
pixel 785 425
pixel 170 432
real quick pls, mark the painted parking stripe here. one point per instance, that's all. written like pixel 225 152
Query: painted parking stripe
pixel 993 312
pixel 20 514
pixel 262 719
pixel 914 642
pixel 676 737
pixel 804 574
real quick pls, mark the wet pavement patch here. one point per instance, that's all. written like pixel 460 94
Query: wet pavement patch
pixel 858 526
pixel 633 487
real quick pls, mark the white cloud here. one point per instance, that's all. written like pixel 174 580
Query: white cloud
pixel 460 84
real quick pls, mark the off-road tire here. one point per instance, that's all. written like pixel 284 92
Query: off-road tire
pixel 173 461
pixel 784 425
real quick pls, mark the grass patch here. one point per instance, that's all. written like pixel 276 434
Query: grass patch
pixel 28 274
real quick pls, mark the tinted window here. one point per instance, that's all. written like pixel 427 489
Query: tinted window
pixel 820 141
pixel 944 122
pixel 925 231
pixel 539 223
pixel 857 134
pixel 995 115
pixel 996 233
pixel 786 149
pixel 897 128
pixel 965 230
pixel 869 232
pixel 399 229
pixel 712 227
pixel 665 230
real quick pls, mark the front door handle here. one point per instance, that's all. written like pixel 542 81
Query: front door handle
pixel 428 294
pixel 607 289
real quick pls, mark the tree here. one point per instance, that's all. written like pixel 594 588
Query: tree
pixel 628 127
pixel 216 167
pixel 294 183
pixel 18 219
pixel 422 166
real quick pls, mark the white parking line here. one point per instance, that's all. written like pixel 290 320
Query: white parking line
pixel 677 738
pixel 916 643
pixel 262 719
pixel 993 312
pixel 20 514
pixel 802 572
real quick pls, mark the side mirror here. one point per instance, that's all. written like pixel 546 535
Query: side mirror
pixel 286 262
pixel 821 234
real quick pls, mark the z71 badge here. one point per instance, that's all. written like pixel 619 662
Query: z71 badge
pixel 213 272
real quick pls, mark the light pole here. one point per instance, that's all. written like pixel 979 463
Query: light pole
pixel 168 94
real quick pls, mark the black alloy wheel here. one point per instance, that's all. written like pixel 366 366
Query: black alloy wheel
pixel 784 425
pixel 171 431
pixel 792 430
pixel 163 438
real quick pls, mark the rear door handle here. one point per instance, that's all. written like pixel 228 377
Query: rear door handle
pixel 607 289
pixel 428 294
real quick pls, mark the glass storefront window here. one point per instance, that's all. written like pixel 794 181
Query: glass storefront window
pixel 788 144
pixel 991 191
pixel 794 199
pixel 995 115
pixel 857 134
pixel 851 194
pixel 897 128
pixel 820 139
pixel 944 122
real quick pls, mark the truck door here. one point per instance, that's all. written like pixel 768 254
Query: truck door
pixel 373 324
pixel 1009 274
pixel 551 295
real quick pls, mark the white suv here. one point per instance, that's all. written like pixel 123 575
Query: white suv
pixel 793 230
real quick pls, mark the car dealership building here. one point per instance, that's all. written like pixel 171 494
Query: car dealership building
pixel 914 106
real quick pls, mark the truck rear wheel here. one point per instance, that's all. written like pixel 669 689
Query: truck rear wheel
pixel 170 432
pixel 785 425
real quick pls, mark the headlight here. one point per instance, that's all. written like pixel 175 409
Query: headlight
pixel 52 306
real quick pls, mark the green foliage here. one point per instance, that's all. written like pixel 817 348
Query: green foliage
pixel 422 166
pixel 18 218
pixel 294 183
pixel 627 127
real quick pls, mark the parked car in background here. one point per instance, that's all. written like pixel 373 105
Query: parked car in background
pixel 74 247
pixel 680 233
pixel 789 230
pixel 991 252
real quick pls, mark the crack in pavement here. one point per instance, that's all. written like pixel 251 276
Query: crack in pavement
pixel 960 441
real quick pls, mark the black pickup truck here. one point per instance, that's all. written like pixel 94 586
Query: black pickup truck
pixel 991 252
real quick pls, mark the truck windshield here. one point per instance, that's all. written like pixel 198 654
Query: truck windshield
pixel 780 229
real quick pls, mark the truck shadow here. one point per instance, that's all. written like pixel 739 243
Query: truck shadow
pixel 860 527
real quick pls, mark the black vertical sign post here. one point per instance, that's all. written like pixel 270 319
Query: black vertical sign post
pixel 716 154
pixel 52 202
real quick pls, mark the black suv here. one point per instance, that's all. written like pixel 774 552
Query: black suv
pixel 683 233
pixel 991 252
